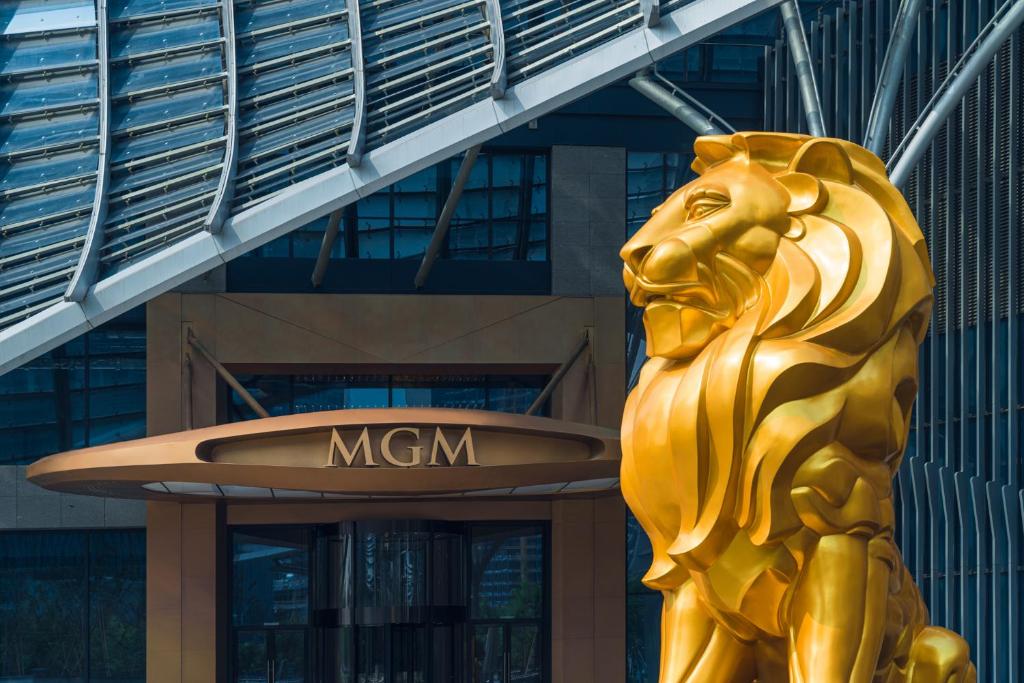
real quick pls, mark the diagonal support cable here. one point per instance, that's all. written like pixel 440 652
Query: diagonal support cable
pixel 445 219
pixel 892 72
pixel 947 96
pixel 797 40
pixel 559 375
pixel 679 104
pixel 226 375
pixel 324 257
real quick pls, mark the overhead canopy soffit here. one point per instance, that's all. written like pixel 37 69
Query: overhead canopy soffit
pixel 371 453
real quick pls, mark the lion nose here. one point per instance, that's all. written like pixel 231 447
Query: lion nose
pixel 634 255
pixel 671 261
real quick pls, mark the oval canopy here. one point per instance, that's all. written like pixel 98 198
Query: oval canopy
pixel 366 453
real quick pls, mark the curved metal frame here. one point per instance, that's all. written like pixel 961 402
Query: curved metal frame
pixel 960 79
pixel 499 79
pixel 89 259
pixel 357 141
pixel 221 206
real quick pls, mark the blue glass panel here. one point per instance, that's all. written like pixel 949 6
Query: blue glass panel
pixel 46 51
pixel 270 580
pixel 27 16
pixel 151 109
pixel 50 130
pixel 36 170
pixel 507 572
pixel 96 382
pixel 35 93
pixel 165 71
pixel 170 33
pixel 127 8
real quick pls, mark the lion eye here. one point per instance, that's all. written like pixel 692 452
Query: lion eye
pixel 703 207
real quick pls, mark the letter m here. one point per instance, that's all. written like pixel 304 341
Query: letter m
pixel 452 455
pixel 338 447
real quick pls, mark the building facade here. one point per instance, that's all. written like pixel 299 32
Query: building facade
pixel 208 566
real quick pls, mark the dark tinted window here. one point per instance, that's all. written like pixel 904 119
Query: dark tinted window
pixel 288 394
pixel 73 606
pixel 89 391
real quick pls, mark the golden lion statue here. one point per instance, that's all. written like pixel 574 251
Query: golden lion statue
pixel 785 293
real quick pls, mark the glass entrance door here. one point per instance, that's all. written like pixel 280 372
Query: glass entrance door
pixel 270 656
pixel 390 602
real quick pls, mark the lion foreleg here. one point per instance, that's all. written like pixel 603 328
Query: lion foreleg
pixel 695 648
pixel 838 609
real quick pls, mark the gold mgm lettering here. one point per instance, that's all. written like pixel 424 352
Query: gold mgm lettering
pixel 348 455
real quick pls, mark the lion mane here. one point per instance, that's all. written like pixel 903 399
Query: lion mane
pixel 853 284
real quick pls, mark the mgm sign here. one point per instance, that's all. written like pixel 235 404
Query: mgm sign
pixel 400 447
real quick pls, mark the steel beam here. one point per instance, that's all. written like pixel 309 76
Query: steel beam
pixel 676 106
pixel 613 60
pixel 797 40
pixel 892 72
pixel 445 219
pixel 226 375
pixel 89 260
pixel 651 10
pixel 324 257
pixel 357 141
pixel 499 79
pixel 947 97
pixel 559 375
pixel 221 206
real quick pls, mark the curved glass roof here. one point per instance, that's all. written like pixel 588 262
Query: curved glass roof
pixel 128 127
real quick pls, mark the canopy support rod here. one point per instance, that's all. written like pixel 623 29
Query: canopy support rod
pixel 324 257
pixel 445 219
pixel 250 400
pixel 678 107
pixel 797 40
pixel 89 260
pixel 559 375
pixel 892 72
pixel 947 97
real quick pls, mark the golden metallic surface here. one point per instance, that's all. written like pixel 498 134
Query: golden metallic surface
pixel 785 293
pixel 372 452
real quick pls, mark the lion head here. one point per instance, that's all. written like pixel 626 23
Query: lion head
pixel 770 212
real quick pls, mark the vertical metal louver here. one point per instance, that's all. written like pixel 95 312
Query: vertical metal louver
pixel 295 93
pixel 959 492
pixel 168 98
pixel 49 137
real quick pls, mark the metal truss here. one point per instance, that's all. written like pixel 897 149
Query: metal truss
pixel 544 74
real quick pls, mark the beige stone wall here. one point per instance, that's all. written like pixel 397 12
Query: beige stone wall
pixel 383 333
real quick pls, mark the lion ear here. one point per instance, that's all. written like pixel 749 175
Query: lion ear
pixel 824 159
pixel 712 149
pixel 806 193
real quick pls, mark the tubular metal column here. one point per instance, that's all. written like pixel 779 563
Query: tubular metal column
pixel 797 40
